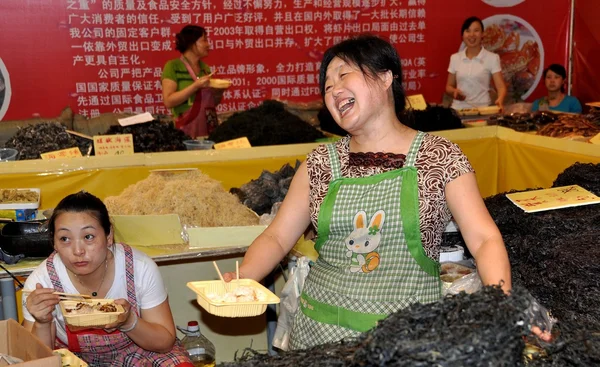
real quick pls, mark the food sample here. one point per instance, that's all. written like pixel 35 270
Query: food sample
pixel 240 294
pixel 198 200
pixel 18 196
pixel 85 308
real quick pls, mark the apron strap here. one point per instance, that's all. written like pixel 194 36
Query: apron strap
pixel 411 157
pixel 56 284
pixel 334 160
pixel 129 273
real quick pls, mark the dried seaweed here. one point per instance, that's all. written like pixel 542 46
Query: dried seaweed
pixel 268 124
pixel 434 118
pixel 153 136
pixel 269 188
pixel 586 175
pixel 33 140
pixel 481 329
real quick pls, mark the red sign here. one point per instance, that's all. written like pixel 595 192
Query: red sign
pixel 107 55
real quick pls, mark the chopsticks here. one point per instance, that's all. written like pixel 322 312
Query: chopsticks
pixel 221 277
pixel 64 296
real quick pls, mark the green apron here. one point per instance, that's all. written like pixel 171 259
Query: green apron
pixel 371 260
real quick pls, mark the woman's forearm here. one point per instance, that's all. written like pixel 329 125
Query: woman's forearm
pixel 44 333
pixel 256 264
pixel 492 263
pixel 152 337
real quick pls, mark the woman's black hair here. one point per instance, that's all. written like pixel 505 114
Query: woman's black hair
pixel 187 37
pixel 81 202
pixel 559 70
pixel 467 23
pixel 372 55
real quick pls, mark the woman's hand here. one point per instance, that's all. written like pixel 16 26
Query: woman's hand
pixel 500 104
pixel 228 277
pixel 459 95
pixel 41 303
pixel 202 82
pixel 125 320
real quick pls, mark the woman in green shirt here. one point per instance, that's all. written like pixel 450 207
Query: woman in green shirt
pixel 185 84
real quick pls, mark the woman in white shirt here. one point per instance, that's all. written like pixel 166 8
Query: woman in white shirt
pixel 472 68
pixel 88 261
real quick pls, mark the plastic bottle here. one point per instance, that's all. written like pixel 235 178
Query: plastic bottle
pixel 200 349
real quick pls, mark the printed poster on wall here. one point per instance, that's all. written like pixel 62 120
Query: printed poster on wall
pixel 101 56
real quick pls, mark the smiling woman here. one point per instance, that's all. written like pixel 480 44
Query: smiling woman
pixel 87 261
pixel 380 199
pixel 471 70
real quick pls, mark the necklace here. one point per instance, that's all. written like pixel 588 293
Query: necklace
pixel 94 294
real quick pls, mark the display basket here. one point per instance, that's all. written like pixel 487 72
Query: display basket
pixel 231 309
pixel 90 320
pixel 22 205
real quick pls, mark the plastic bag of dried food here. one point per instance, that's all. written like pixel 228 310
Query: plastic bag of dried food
pixel 266 219
pixel 470 283
pixel 289 300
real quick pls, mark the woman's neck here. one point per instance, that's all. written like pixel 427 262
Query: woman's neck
pixel 555 95
pixel 473 51
pixel 191 57
pixel 383 137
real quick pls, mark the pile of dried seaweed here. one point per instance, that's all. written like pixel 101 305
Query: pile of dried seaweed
pixel 269 188
pixel 268 124
pixel 434 118
pixel 554 254
pixel 33 140
pixel 153 136
pixel 481 329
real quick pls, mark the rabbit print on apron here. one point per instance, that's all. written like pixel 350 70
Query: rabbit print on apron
pixel 362 243
pixel 366 269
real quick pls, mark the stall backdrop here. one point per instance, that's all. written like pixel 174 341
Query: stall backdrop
pixel 586 51
pixel 107 55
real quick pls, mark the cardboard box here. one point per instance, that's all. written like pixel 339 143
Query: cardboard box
pixel 20 343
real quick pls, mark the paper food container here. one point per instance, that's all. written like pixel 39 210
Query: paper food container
pixel 220 83
pixel 231 309
pixel 96 319
pixel 21 205
pixel 70 359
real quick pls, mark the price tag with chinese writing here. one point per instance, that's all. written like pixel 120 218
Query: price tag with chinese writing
pixel 234 144
pixel 120 144
pixel 595 139
pixel 64 153
pixel 416 102
pixel 554 198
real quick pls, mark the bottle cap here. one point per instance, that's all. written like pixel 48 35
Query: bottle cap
pixel 193 326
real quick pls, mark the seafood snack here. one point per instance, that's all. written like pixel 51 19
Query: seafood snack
pixel 92 313
pixel 240 294
pixel 18 196
pixel 83 308
pixel 239 298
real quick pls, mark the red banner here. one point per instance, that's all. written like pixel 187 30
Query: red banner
pixel 586 51
pixel 107 55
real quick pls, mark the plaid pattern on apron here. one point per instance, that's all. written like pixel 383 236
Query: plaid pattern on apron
pixel 99 348
pixel 371 260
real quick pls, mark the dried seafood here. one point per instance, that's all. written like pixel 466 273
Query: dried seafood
pixel 570 126
pixel 268 189
pixel 434 118
pixel 268 124
pixel 33 140
pixel 153 136
pixel 18 196
pixel 84 308
pixel 481 329
pixel 198 200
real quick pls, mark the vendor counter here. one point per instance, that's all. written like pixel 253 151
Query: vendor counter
pixel 503 160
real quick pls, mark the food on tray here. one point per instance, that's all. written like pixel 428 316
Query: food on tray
pixel 198 200
pixel 570 126
pixel 240 294
pixel 18 196
pixel 489 110
pixel 469 111
pixel 84 308
pixel 220 83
